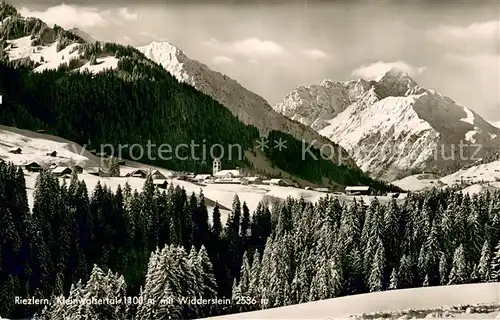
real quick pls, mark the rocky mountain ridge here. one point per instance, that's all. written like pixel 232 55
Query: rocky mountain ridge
pixel 392 126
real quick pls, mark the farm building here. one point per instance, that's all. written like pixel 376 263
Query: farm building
pixel 155 174
pixel 275 182
pixel 161 184
pixel 97 172
pixel 139 173
pixel 77 169
pixel 33 167
pixel 60 171
pixel 201 177
pixel 358 190
pixel 228 174
pixel 251 180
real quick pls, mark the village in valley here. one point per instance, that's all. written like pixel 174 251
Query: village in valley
pixel 220 185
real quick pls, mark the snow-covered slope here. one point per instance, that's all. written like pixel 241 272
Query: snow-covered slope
pixel 481 176
pixel 479 188
pixel 249 107
pixel 392 126
pixel 496 124
pixel 487 172
pixel 49 58
pixel 418 182
pixel 381 302
pixel 35 146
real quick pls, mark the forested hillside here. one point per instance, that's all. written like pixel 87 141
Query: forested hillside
pixel 296 252
pixel 104 109
pixel 110 108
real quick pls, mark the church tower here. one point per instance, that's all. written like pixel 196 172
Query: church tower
pixel 216 166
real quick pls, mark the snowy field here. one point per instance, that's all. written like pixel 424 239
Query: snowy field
pixel 428 298
pixel 35 147
pixel 483 176
pixel 50 58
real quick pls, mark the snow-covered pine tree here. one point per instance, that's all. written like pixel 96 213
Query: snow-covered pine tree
pixel 321 282
pixel 209 289
pixel 303 277
pixel 443 269
pixel 106 287
pixel 197 282
pixel 209 284
pixel 484 266
pixel 265 271
pixel 244 278
pixel 495 264
pixel 405 273
pixel 281 272
pixel 459 273
pixel 253 285
pixel 376 279
pixel 391 234
pixel 432 256
pixel 152 291
pixel 393 282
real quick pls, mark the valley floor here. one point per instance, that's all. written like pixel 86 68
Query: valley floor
pixel 35 147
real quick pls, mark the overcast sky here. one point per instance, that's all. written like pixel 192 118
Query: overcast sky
pixel 450 46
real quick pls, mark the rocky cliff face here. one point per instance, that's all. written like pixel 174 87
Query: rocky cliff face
pixel 392 126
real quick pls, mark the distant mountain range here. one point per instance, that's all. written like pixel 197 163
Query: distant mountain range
pixel 392 126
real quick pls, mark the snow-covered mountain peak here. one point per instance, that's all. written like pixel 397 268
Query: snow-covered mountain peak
pixel 173 59
pixel 393 73
pixel 391 126
pixel 396 83
pixel 165 47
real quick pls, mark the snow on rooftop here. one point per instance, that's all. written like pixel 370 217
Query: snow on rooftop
pixel 357 188
pixel 222 173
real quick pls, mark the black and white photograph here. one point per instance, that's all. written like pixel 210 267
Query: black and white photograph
pixel 249 159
